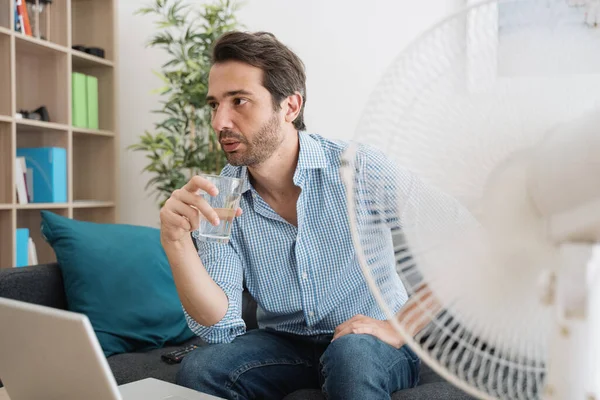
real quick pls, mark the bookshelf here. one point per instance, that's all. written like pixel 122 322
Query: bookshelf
pixel 36 72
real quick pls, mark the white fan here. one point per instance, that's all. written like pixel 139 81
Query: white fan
pixel 496 111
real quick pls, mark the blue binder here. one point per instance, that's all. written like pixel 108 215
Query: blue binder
pixel 49 167
pixel 22 247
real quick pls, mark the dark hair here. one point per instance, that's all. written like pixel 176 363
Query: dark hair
pixel 283 71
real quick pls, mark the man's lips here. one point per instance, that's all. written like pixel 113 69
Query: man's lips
pixel 229 146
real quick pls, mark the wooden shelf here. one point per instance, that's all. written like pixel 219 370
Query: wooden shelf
pixel 93 154
pixel 106 84
pixel 6 163
pixel 32 219
pixel 94 214
pixel 37 72
pixel 28 44
pixel 93 24
pixel 5 75
pixel 6 237
pixel 42 77
pixel 84 60
pixel 82 131
pixel 6 11
pixel 41 134
pixel 40 126
pixel 41 206
pixel 92 204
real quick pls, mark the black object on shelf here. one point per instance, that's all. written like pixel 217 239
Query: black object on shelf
pixel 40 114
pixel 94 51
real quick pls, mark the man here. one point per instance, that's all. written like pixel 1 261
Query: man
pixel 292 247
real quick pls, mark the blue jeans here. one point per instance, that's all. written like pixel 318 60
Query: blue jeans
pixel 264 364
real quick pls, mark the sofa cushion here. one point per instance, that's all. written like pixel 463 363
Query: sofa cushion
pixel 118 275
pixel 37 284
pixel 131 367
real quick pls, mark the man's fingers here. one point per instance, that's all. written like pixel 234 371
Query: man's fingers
pixel 365 330
pixel 199 203
pixel 358 317
pixel 182 215
pixel 421 307
pixel 344 331
pixel 199 183
pixel 343 326
pixel 356 328
pixel 238 212
pixel 174 220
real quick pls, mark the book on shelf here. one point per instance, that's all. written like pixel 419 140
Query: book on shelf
pixel 26 249
pixel 21 184
pixel 32 258
pixel 22 236
pixel 48 175
pixel 91 86
pixel 79 89
pixel 85 100
pixel 28 178
pixel 22 16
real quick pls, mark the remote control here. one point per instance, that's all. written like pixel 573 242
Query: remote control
pixel 175 356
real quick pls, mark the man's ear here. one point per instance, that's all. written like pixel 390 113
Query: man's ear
pixel 293 105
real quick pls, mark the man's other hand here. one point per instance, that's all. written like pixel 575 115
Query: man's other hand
pixel 361 324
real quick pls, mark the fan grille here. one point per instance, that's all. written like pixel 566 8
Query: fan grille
pixel 476 89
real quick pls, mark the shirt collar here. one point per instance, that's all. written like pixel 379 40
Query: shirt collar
pixel 311 156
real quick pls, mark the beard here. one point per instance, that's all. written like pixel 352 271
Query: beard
pixel 262 146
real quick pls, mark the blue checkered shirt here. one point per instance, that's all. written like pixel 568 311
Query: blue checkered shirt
pixel 306 280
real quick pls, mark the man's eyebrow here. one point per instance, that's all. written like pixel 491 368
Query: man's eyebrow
pixel 230 94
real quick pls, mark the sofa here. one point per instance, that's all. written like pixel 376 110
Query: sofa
pixel 43 284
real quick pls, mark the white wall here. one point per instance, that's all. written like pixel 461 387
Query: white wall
pixel 136 82
pixel 346 46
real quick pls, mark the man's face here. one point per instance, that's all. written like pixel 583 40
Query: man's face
pixel 248 128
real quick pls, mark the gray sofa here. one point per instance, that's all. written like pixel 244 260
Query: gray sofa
pixel 43 284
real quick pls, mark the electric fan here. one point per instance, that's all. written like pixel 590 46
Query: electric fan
pixel 490 125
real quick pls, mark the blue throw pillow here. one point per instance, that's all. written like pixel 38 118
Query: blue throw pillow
pixel 119 276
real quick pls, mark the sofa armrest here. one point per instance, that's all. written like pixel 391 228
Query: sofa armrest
pixel 38 284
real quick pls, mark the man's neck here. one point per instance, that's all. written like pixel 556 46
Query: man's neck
pixel 275 176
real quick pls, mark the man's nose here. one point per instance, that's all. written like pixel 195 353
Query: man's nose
pixel 222 119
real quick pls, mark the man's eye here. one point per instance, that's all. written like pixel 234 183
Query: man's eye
pixel 239 102
pixel 213 106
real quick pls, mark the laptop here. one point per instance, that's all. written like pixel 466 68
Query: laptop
pixel 46 353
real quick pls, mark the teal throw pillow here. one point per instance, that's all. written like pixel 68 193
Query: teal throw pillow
pixel 119 276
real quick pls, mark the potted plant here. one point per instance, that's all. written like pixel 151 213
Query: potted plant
pixel 183 143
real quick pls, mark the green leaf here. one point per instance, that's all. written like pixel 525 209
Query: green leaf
pixel 186 32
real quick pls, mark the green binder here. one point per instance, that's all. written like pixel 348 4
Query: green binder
pixel 79 100
pixel 92 101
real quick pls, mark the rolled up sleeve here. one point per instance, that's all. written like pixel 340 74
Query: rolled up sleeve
pixel 225 267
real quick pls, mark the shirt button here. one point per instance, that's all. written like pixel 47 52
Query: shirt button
pixel 311 314
pixel 304 275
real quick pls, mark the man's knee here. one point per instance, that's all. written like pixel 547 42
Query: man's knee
pixel 362 366
pixel 352 349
